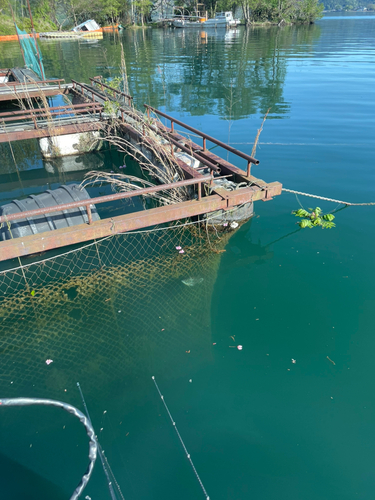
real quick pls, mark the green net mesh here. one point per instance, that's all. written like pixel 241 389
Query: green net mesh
pixel 30 50
pixel 108 311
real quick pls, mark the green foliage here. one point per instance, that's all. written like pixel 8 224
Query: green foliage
pixel 40 24
pixel 115 82
pixel 111 107
pixel 275 11
pixel 314 217
pixel 143 7
pixel 62 14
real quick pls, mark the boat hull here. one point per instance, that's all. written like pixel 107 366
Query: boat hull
pixel 179 23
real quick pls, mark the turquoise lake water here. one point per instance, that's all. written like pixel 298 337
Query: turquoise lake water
pixel 257 424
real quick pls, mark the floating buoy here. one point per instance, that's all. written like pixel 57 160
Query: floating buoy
pixel 239 347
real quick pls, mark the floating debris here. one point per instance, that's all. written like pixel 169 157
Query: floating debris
pixel 192 281
pixel 49 361
pixel 329 359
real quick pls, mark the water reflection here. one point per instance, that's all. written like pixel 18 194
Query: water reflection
pixel 189 71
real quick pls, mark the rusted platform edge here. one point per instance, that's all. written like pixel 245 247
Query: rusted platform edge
pixel 53 131
pixel 19 95
pixel 20 247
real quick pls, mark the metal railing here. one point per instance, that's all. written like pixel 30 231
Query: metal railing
pixel 204 136
pixel 97 80
pixel 111 197
pixel 38 83
pixel 135 116
pixel 84 87
pixel 34 114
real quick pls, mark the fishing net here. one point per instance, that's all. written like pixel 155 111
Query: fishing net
pixel 30 52
pixel 115 309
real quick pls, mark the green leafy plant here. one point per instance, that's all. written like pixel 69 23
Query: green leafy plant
pixel 115 83
pixel 111 107
pixel 314 217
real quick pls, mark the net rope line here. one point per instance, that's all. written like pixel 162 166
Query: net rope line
pixel 103 458
pixel 111 236
pixel 93 445
pixel 180 438
pixel 328 199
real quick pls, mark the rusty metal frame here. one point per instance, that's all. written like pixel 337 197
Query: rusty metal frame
pixel 27 245
pixel 49 109
pixel 104 199
pixel 219 199
pixel 75 128
pixel 95 80
pixel 33 93
pixel 206 157
pixel 93 92
pixel 37 83
pixel 204 136
pixel 58 128
pixel 34 113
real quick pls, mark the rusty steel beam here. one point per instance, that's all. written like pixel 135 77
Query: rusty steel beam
pixel 27 245
pixel 224 166
pixel 207 157
pixel 76 128
pixel 37 83
pixel 19 113
pixel 229 168
pixel 189 172
pixel 116 91
pixel 45 112
pixel 104 199
pixel 204 136
pixel 32 94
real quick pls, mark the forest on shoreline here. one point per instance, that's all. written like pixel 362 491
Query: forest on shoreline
pixel 51 15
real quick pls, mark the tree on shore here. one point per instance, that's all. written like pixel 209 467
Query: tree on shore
pixel 64 14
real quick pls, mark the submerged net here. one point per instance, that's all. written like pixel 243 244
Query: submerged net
pixel 30 50
pixel 116 309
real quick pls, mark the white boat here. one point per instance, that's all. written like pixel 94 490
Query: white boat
pixel 188 21
pixel 88 29
pixel 222 20
pixel 89 25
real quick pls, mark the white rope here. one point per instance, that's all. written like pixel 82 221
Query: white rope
pixel 329 199
pixel 180 438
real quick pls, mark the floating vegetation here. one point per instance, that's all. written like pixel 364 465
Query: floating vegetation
pixel 314 217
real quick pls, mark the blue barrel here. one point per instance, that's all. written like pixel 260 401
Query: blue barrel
pixel 48 222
